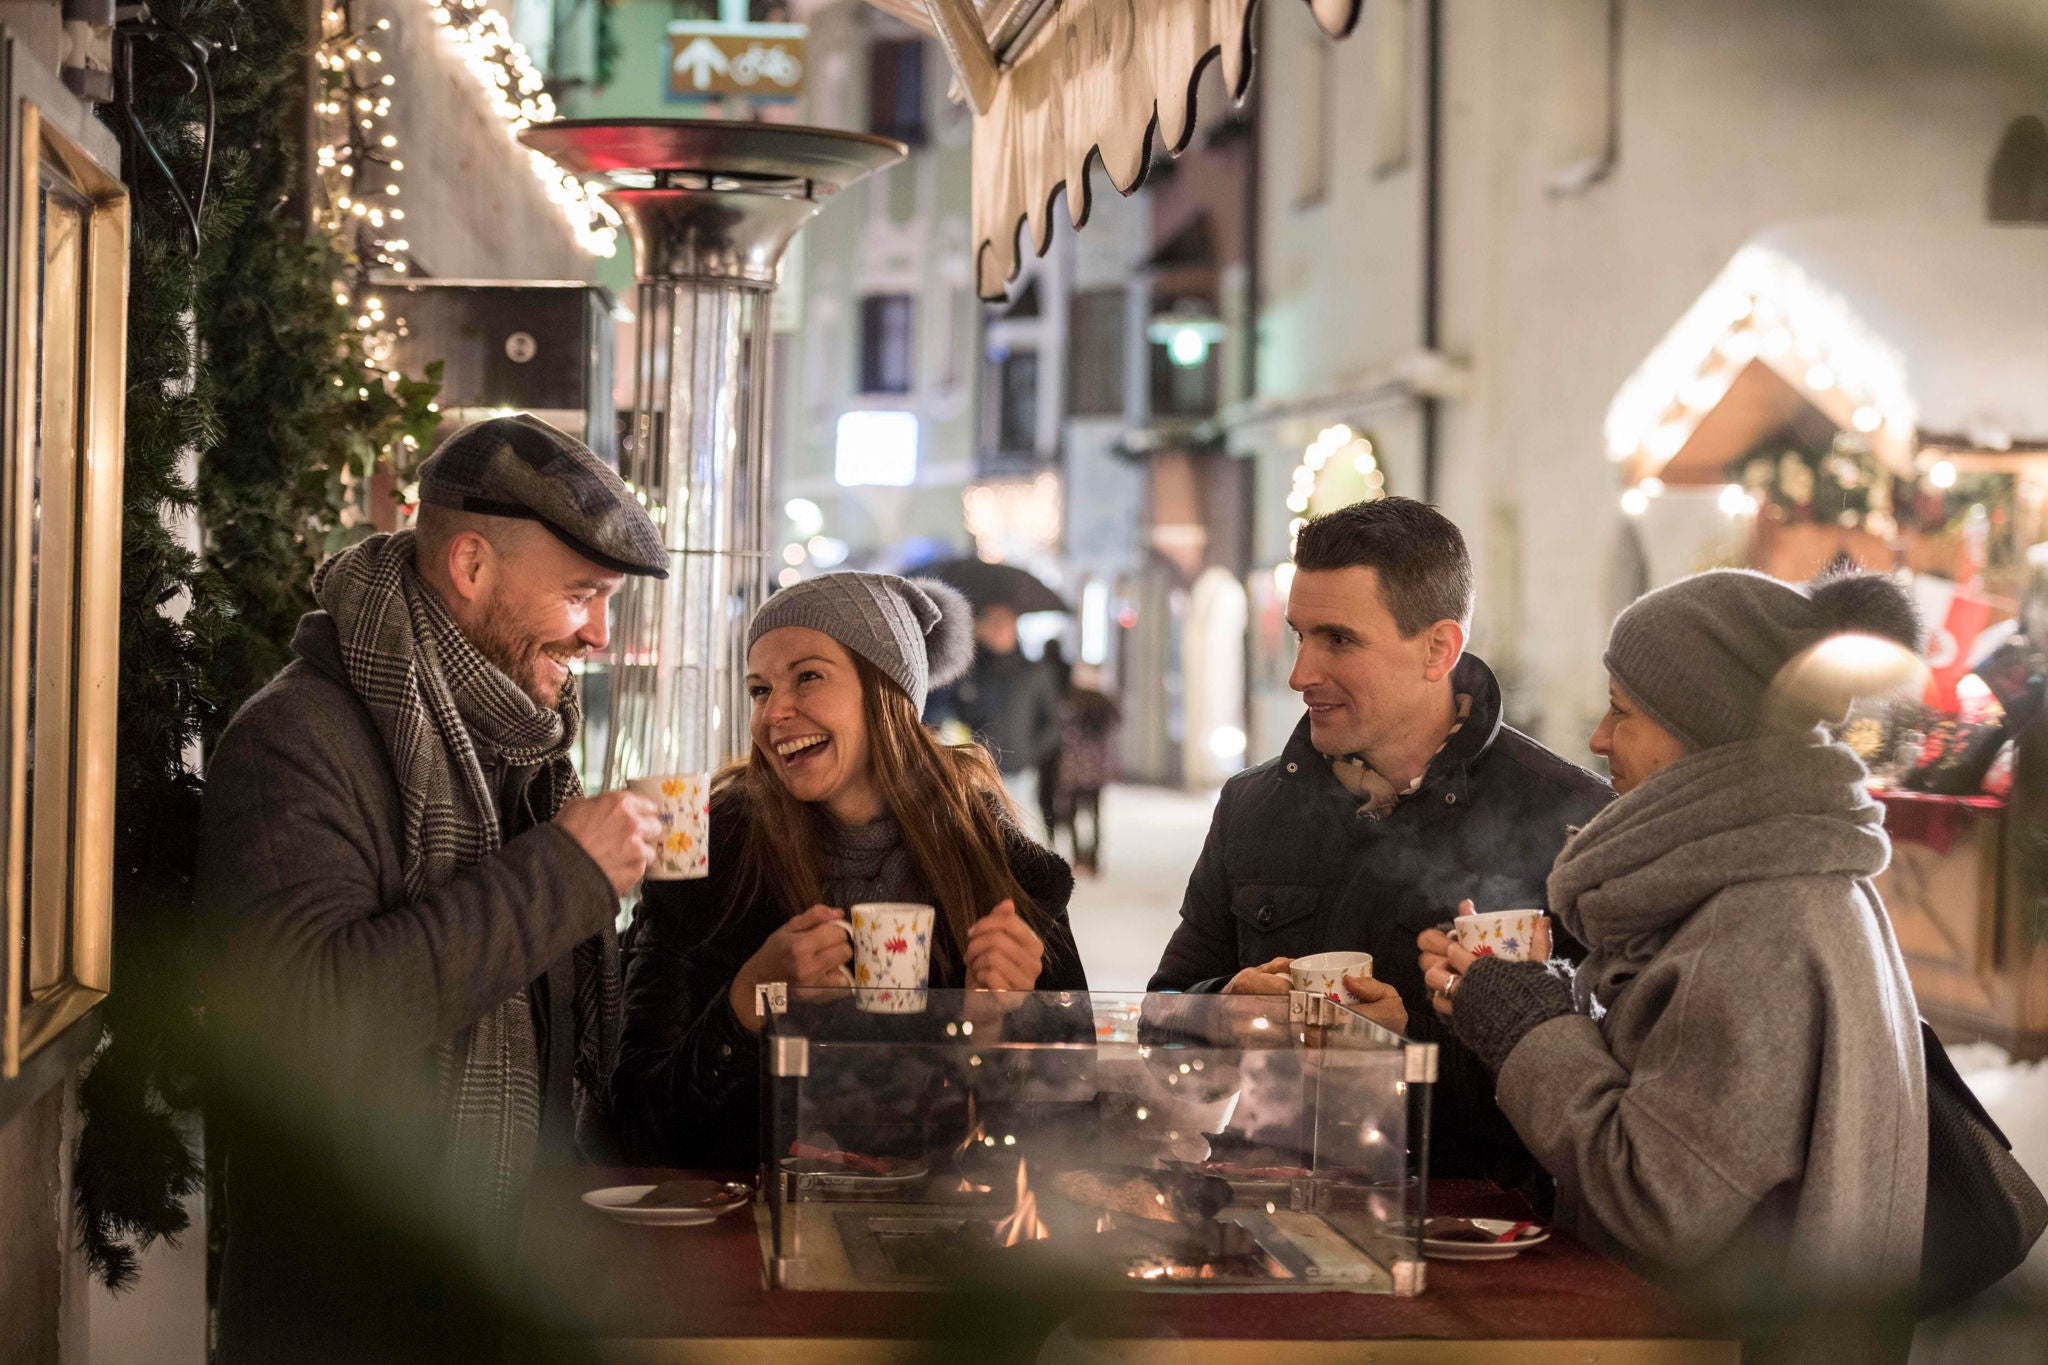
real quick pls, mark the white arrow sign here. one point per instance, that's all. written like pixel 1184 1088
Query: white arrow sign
pixel 700 61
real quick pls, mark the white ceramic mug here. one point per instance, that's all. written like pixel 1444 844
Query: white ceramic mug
pixel 1510 934
pixel 682 802
pixel 1323 974
pixel 892 955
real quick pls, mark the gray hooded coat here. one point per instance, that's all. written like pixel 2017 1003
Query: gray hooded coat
pixel 1738 1106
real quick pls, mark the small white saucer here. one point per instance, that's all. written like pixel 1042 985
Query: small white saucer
pixel 622 1203
pixel 1455 1249
pixel 898 1173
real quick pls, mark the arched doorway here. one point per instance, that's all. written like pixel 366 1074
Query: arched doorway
pixel 1150 607
pixel 2018 192
pixel 1213 672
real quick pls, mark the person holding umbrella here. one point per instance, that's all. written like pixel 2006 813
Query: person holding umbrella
pixel 1010 703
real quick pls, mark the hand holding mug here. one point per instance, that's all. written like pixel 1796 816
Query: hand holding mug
pixel 1378 1002
pixel 618 830
pixel 1003 954
pixel 1268 978
pixel 1443 963
pixel 1517 935
pixel 812 949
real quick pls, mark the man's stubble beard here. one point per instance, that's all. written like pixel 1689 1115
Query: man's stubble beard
pixel 499 638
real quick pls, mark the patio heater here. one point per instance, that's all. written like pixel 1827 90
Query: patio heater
pixel 711 206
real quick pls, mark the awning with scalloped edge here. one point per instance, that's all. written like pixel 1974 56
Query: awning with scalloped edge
pixel 1058 85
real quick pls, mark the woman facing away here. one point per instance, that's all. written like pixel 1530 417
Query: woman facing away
pixel 1730 1089
pixel 844 798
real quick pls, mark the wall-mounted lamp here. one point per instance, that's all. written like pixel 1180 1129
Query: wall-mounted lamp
pixel 1187 332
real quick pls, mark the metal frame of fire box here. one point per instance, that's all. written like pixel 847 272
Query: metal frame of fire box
pixel 787 1057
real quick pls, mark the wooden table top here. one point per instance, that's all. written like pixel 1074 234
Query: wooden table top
pixel 698 1293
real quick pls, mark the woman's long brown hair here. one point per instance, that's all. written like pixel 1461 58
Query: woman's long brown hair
pixel 948 799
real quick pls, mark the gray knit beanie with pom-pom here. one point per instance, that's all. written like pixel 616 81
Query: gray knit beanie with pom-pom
pixel 1700 655
pixel 918 631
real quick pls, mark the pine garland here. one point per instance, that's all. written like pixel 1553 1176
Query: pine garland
pixel 241 364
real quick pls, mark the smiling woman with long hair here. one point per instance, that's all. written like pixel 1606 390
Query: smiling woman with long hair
pixel 844 797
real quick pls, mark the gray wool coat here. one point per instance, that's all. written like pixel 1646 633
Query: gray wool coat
pixel 326 990
pixel 1739 1107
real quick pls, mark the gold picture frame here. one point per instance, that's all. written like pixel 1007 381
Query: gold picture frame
pixel 66 262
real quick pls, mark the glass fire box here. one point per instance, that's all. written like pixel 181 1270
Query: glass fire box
pixel 913 1140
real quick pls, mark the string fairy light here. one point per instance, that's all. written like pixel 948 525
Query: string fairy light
pixel 1764 305
pixel 360 171
pixel 516 91
pixel 358 159
pixel 1347 449
pixel 358 175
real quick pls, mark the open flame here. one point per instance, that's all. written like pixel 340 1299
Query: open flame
pixel 1023 1224
pixel 975 1133
pixel 1160 1268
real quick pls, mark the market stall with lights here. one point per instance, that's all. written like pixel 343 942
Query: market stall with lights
pixel 1843 408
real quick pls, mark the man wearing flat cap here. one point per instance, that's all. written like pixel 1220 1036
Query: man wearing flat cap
pixel 410 905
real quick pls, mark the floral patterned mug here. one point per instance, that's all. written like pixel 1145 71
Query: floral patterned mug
pixel 1501 933
pixel 682 802
pixel 892 955
pixel 1323 974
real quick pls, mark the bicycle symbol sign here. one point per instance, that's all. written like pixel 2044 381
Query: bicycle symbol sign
pixel 760 60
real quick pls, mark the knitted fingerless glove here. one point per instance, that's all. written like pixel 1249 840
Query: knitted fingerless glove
pixel 1499 1001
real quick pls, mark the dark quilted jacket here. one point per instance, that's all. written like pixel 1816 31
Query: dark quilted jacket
pixel 1291 868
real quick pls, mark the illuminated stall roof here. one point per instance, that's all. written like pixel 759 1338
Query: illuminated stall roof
pixel 1916 333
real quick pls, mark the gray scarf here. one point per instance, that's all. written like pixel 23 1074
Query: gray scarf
pixel 1778 806
pixel 867 863
pixel 447 715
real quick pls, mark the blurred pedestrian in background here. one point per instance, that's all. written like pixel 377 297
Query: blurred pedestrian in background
pixel 1089 721
pixel 1054 662
pixel 1007 702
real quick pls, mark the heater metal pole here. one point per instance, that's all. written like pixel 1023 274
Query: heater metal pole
pixel 711 207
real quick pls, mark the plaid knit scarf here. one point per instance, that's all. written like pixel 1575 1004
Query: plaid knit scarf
pixel 449 717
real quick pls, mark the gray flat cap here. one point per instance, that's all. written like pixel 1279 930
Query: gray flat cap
pixel 519 466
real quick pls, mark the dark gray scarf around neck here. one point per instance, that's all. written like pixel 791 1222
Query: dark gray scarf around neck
pixel 1777 806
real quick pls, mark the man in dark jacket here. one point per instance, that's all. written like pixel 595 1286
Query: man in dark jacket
pixel 1400 794
pixel 414 981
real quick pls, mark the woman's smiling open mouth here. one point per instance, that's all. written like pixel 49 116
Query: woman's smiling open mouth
pixel 801 750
